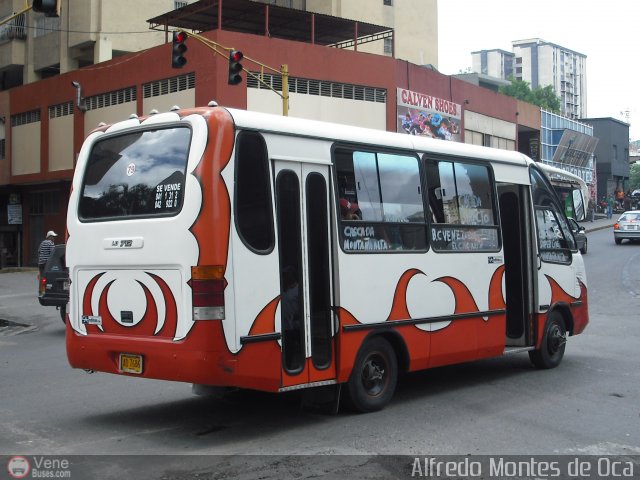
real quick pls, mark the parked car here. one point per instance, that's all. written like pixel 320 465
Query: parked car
pixel 579 234
pixel 54 282
pixel 627 226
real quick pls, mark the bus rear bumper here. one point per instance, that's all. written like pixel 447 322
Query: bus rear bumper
pixel 161 358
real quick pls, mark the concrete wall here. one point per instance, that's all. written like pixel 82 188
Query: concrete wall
pixel 25 149
pixel 61 156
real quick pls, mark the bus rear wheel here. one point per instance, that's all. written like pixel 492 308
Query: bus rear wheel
pixel 553 343
pixel 374 376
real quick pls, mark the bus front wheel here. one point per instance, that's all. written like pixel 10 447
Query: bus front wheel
pixel 553 343
pixel 374 376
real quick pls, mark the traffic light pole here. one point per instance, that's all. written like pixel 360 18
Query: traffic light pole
pixel 284 69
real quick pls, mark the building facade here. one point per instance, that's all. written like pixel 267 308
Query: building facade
pixel 415 41
pixel 34 46
pixel 611 154
pixel 570 145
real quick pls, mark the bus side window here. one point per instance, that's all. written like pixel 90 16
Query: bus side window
pixel 382 192
pixel 462 206
pixel 253 215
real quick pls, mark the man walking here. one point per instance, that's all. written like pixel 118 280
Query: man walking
pixel 45 249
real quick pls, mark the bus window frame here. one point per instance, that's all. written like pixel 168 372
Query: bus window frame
pixel 376 149
pixel 493 188
pixel 139 129
pixel 553 197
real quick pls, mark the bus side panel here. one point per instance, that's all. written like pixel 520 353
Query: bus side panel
pixel 577 306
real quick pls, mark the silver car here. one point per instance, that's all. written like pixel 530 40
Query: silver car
pixel 627 226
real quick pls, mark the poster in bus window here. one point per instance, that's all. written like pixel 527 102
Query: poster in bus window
pixel 423 115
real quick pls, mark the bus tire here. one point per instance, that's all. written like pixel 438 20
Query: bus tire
pixel 553 343
pixel 374 376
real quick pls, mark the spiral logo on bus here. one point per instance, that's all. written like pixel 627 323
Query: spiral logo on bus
pixel 130 302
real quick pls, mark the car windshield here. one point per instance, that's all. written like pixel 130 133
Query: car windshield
pixel 630 217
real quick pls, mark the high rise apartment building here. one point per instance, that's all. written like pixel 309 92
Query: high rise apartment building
pixel 540 63
pixel 494 63
pixel 543 63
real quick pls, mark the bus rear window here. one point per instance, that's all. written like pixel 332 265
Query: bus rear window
pixel 136 174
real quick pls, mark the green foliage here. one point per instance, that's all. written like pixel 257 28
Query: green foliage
pixel 634 176
pixel 544 97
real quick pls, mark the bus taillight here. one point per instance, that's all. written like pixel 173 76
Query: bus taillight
pixel 207 292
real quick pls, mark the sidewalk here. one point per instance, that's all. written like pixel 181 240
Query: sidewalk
pixel 600 222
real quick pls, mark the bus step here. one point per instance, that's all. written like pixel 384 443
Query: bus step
pixel 512 350
pixel 325 399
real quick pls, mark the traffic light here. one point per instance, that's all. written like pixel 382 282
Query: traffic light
pixel 51 8
pixel 178 50
pixel 235 67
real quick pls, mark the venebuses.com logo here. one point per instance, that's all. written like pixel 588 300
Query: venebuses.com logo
pixel 18 467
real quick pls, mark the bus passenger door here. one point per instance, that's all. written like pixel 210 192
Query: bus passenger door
pixel 302 219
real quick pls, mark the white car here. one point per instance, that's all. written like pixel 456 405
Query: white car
pixel 627 226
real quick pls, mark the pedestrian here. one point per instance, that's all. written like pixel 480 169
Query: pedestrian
pixel 610 203
pixel 591 209
pixel 45 249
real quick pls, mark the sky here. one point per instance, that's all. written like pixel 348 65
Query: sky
pixel 607 33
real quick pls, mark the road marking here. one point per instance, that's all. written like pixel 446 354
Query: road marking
pixel 16 295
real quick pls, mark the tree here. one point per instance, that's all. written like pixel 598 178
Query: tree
pixel 634 176
pixel 546 98
pixel 543 97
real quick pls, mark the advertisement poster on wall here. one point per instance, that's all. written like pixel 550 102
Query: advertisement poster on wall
pixel 427 116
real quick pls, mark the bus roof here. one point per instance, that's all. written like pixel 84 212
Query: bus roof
pixel 347 133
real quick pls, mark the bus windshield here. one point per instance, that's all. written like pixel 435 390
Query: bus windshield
pixel 136 174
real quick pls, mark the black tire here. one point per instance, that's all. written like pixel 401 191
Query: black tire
pixel 583 250
pixel 618 241
pixel 63 313
pixel 374 376
pixel 553 343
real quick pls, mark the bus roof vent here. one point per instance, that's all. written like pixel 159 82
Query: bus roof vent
pixel 133 115
pixel 101 124
pixel 153 112
pixel 212 103
pixel 174 108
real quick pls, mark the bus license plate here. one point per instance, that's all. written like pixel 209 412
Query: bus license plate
pixel 130 363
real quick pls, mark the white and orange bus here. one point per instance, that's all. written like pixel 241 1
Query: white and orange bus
pixel 236 249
